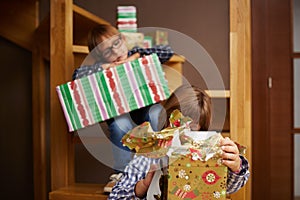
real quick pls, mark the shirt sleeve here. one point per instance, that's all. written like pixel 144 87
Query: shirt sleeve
pixel 237 181
pixel 164 52
pixel 86 70
pixel 134 171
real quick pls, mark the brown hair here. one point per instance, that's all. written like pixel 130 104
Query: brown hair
pixel 193 102
pixel 102 30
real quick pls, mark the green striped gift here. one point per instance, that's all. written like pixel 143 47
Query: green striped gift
pixel 126 19
pixel 112 92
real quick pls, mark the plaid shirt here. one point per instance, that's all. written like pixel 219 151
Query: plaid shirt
pixel 164 53
pixel 139 166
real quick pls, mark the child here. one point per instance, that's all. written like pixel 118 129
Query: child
pixel 195 103
pixel 108 49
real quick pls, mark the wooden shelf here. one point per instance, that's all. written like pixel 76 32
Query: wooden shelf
pixel 79 192
pixel 218 93
pixel 83 21
pixel 87 15
pixel 80 49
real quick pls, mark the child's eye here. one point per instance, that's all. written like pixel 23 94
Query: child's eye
pixel 117 43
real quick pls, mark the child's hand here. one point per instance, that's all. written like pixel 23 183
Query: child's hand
pixel 142 186
pixel 131 58
pixel 230 154
pixel 116 63
pixel 110 65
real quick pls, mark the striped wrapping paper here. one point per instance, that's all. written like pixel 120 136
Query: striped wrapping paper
pixel 112 92
pixel 126 19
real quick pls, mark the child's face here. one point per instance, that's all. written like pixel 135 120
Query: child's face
pixel 113 48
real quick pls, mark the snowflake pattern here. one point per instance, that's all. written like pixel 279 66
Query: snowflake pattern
pixel 182 174
pixel 217 194
pixel 187 187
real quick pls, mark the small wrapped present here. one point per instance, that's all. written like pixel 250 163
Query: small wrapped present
pixel 126 18
pixel 148 41
pixel 133 39
pixel 112 92
pixel 159 37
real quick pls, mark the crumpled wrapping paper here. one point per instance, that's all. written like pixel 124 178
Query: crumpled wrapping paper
pixel 176 140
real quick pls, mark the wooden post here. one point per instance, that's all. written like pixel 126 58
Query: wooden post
pixel 61 65
pixel 240 81
pixel 39 125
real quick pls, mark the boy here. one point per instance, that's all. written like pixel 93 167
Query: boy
pixel 108 49
pixel 196 104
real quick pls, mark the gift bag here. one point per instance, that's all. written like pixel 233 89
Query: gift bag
pixel 195 167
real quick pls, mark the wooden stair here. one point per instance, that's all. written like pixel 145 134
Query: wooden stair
pixel 79 192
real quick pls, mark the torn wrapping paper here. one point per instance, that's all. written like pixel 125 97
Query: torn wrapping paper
pixel 112 92
pixel 144 141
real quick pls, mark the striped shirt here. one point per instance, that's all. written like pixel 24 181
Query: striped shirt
pixel 140 165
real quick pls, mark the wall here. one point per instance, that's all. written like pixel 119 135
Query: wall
pixel 16 165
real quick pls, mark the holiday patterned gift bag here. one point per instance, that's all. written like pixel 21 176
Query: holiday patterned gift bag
pixel 195 170
pixel 194 179
pixel 112 92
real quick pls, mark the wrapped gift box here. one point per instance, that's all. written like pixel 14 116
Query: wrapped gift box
pixel 112 92
pixel 148 42
pixel 126 19
pixel 133 39
pixel 159 37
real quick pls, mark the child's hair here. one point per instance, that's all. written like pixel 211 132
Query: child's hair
pixel 102 30
pixel 193 102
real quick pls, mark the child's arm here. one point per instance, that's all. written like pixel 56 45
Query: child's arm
pixel 130 58
pixel 86 70
pixel 164 53
pixel 142 186
pixel 97 67
pixel 236 181
pixel 134 172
